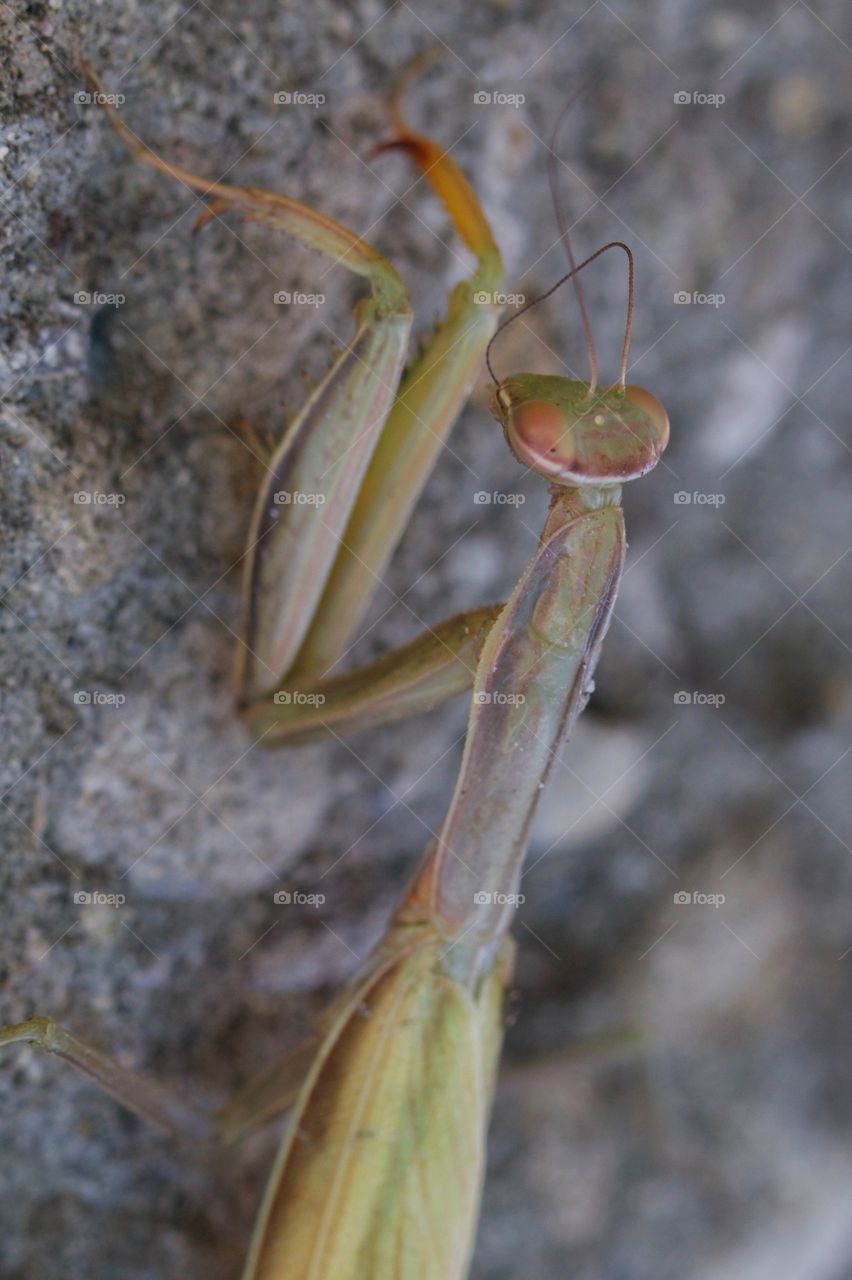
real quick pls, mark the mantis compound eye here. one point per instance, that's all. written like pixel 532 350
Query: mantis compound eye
pixel 557 429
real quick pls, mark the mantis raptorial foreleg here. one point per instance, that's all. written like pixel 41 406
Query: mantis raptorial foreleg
pixel 361 449
pixel 430 397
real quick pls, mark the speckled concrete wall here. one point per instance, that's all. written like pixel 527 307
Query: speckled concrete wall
pixel 675 1097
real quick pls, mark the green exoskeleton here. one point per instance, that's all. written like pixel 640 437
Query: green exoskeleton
pixel 380 1170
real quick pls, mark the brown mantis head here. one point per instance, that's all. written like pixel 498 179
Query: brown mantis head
pixel 573 435
pixel 572 432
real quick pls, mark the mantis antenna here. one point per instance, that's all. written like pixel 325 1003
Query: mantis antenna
pixel 572 274
pixel 562 223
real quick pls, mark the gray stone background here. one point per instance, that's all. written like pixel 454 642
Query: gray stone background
pixel 675 1096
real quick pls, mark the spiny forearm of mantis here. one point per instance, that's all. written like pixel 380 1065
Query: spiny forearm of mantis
pixel 360 450
pixel 380 1170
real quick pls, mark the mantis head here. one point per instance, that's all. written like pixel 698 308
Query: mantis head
pixel 572 434
pixel 576 433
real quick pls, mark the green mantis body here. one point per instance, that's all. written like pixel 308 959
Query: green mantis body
pixel 380 1171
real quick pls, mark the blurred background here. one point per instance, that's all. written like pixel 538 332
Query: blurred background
pixel 675 1095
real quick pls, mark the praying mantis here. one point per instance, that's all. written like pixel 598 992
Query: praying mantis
pixel 380 1169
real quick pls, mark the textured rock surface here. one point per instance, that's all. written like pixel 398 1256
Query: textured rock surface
pixel 675 1098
